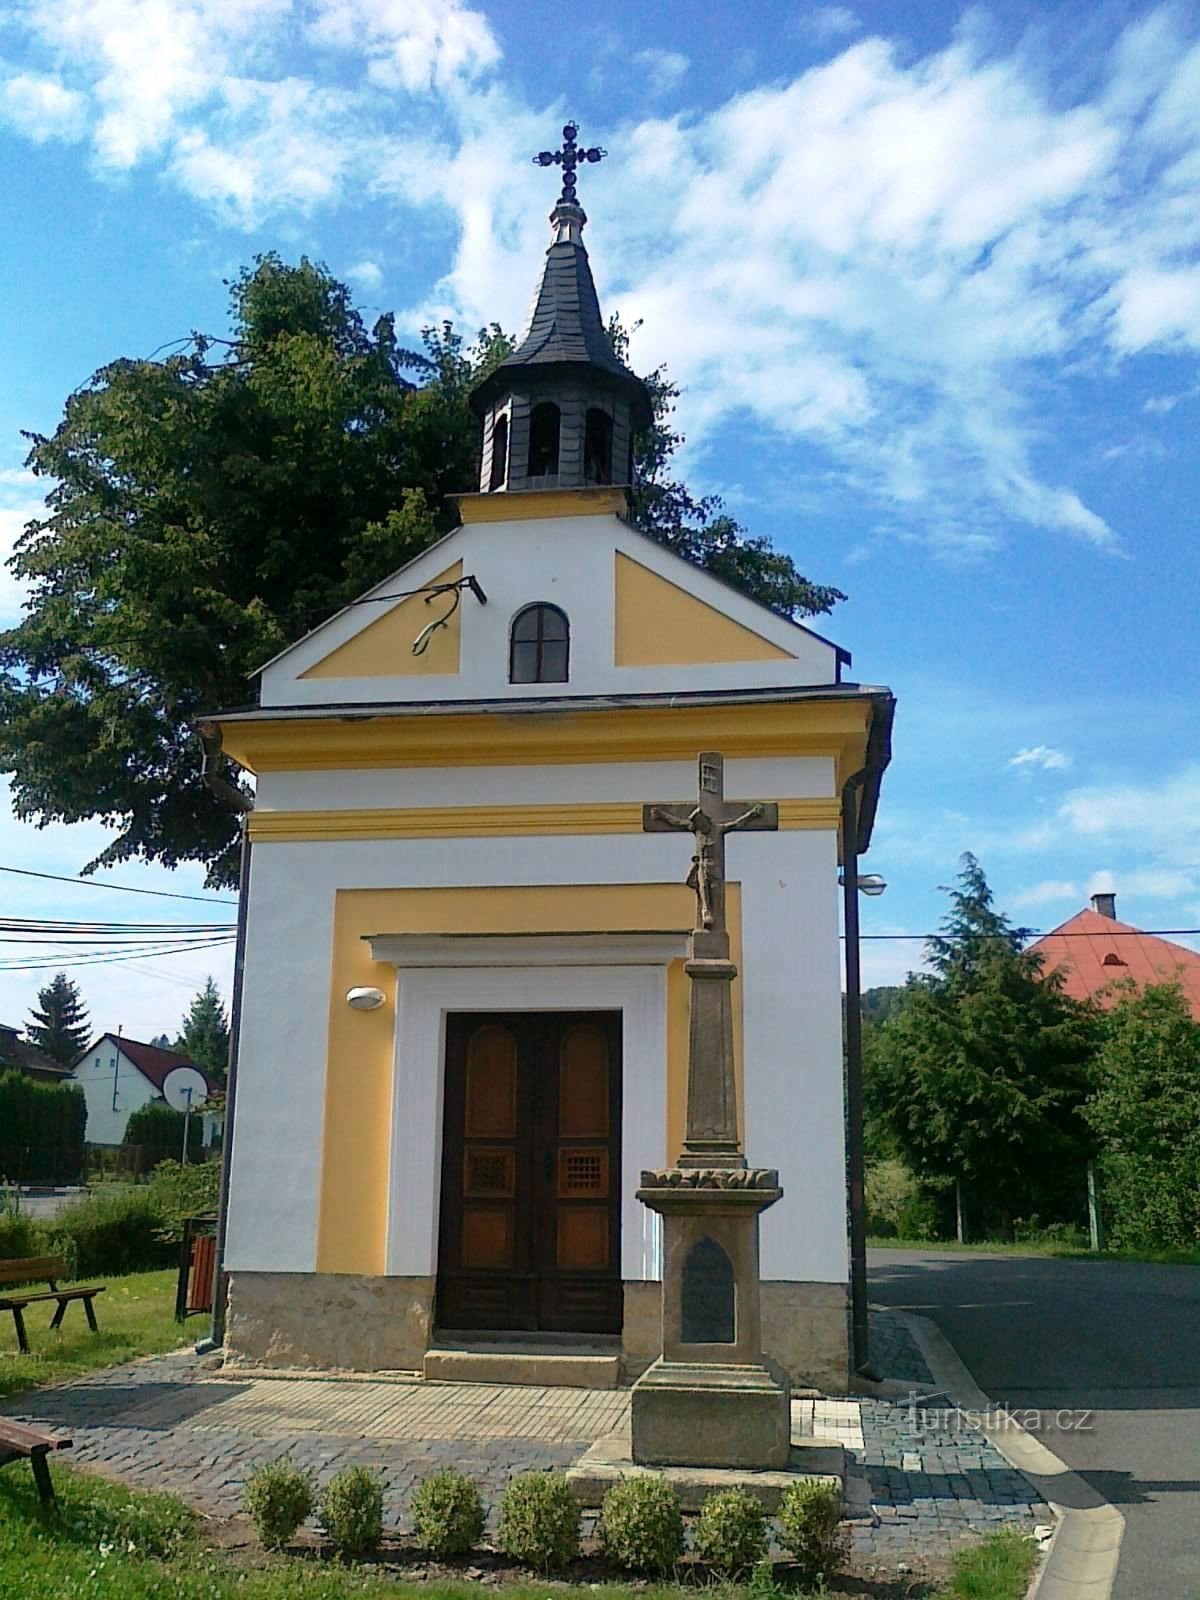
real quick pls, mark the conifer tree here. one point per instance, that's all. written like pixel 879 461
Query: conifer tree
pixel 204 1035
pixel 61 1027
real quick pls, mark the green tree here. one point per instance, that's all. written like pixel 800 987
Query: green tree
pixel 1146 1114
pixel 204 1035
pixel 211 507
pixel 980 1072
pixel 60 1024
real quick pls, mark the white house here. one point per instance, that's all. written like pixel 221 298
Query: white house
pixel 465 1018
pixel 120 1075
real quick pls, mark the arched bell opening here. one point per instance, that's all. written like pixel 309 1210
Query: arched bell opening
pixel 598 447
pixel 545 424
pixel 499 470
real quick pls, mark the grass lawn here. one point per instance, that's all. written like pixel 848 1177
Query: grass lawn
pixel 110 1544
pixel 136 1316
pixel 1002 1247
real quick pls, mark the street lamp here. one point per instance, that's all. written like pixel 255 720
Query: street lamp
pixel 868 882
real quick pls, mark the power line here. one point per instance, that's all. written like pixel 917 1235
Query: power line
pixel 1032 933
pixel 72 960
pixel 125 888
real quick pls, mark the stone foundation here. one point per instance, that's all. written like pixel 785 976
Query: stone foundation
pixel 369 1324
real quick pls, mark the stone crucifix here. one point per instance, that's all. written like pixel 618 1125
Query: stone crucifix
pixel 711 1138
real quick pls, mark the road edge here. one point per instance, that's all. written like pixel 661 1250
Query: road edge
pixel 1081 1562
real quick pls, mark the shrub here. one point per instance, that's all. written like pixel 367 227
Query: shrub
pixel 539 1521
pixel 641 1524
pixel 278 1497
pixel 447 1513
pixel 810 1528
pixel 180 1192
pixel 352 1511
pixel 158 1129
pixel 113 1232
pixel 41 1129
pixel 20 1236
pixel 731 1531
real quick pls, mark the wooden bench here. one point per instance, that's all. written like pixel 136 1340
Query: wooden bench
pixel 48 1269
pixel 19 1443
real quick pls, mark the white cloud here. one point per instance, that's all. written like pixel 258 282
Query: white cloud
pixel 42 108
pixel 1149 883
pixel 665 69
pixel 1043 756
pixel 20 500
pixel 890 256
pixel 1161 405
pixel 1049 892
pixel 831 22
pixel 366 275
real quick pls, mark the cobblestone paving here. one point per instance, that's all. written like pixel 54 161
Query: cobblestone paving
pixel 919 1482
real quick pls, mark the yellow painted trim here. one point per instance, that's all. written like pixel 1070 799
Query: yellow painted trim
pixel 530 505
pixel 383 649
pixel 658 624
pixel 835 728
pixel 466 822
pixel 352 1224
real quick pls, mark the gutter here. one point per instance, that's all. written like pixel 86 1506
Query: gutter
pixel 233 797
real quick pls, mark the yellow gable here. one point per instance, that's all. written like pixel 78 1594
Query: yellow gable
pixel 660 625
pixel 383 649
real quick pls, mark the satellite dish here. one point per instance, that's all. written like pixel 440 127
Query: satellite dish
pixel 184 1088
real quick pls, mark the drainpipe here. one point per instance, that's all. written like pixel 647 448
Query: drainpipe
pixel 860 1353
pixel 234 798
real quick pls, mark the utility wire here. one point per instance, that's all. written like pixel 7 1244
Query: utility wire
pixel 72 960
pixel 1032 933
pixel 125 888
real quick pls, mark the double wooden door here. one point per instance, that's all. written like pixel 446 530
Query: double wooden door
pixel 531 1184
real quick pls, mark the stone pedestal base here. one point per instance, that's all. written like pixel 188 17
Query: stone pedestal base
pixel 710 1415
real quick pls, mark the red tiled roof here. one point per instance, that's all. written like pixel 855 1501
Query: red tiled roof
pixel 1078 948
pixel 154 1063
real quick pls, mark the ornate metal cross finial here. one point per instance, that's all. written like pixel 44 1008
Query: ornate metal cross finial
pixel 568 158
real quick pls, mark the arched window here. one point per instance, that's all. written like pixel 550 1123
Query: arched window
pixel 597 447
pixel 539 645
pixel 543 440
pixel 499 453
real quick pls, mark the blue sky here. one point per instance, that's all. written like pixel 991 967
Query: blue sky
pixel 929 277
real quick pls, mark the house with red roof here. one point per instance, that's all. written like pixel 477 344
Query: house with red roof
pixel 1093 950
pixel 120 1075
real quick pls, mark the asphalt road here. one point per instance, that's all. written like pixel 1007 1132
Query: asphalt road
pixel 1118 1339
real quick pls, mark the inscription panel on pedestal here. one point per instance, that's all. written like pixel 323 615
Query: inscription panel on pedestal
pixel 707 1301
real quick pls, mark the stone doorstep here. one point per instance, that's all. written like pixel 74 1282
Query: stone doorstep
pixel 609 1461
pixel 518 1367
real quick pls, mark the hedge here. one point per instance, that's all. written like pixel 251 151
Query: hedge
pixel 42 1127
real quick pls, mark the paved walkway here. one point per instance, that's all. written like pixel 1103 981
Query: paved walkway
pixel 916 1486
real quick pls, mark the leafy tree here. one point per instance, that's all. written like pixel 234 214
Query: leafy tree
pixel 981 1071
pixel 60 1027
pixel 211 507
pixel 879 1003
pixel 205 1032
pixel 1146 1114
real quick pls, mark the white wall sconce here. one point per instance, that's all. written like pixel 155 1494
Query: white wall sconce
pixel 868 882
pixel 365 999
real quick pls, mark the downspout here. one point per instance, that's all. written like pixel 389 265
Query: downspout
pixel 860 796
pixel 233 797
pixel 860 1352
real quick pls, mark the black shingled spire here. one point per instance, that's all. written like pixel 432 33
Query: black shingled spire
pixel 561 410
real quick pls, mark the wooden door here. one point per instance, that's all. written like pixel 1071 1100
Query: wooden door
pixel 531 1192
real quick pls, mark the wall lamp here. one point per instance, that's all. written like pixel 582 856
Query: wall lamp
pixel 868 882
pixel 365 999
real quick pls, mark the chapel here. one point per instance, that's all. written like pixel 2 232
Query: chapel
pixel 464 1018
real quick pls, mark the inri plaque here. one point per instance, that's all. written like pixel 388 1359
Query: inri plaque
pixel 706 1295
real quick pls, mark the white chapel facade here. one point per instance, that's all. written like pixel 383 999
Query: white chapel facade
pixel 465 1015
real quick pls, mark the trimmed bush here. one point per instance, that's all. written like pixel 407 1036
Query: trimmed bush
pixel 41 1130
pixel 731 1531
pixel 158 1129
pixel 641 1524
pixel 447 1513
pixel 111 1232
pixel 539 1521
pixel 810 1528
pixel 352 1512
pixel 278 1497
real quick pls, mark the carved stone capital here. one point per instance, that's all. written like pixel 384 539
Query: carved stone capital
pixel 711 1178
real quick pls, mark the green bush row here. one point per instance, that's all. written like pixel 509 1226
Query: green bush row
pixel 41 1129
pixel 641 1522
pixel 115 1229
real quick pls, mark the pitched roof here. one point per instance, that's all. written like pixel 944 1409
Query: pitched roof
pixel 26 1056
pixel 1093 951
pixel 152 1062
